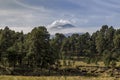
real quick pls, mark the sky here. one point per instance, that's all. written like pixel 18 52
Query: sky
pixel 86 15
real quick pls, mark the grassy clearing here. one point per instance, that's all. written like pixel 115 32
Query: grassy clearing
pixel 81 63
pixel 55 78
pixel 103 75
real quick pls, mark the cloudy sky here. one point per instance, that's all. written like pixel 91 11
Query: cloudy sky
pixel 87 15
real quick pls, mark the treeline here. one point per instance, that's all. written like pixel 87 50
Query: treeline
pixel 102 45
pixel 30 50
pixel 37 50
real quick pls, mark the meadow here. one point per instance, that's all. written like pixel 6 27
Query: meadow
pixel 89 70
pixel 55 78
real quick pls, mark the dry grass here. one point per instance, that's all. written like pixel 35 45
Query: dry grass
pixel 55 78
pixel 81 63
pixel 77 63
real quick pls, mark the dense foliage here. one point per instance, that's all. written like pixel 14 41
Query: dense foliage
pixel 37 50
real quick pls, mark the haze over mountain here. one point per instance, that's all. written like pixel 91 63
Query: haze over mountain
pixel 60 24
pixel 66 27
pixel 63 26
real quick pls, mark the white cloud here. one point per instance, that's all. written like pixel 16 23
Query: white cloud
pixel 15 13
pixel 58 22
pixel 42 9
pixel 19 29
pixel 89 15
pixel 24 29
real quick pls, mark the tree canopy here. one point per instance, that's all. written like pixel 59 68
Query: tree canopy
pixel 37 50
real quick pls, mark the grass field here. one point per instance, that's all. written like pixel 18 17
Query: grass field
pixel 55 78
pixel 102 76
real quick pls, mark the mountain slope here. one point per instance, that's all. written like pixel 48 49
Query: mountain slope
pixel 63 26
pixel 60 24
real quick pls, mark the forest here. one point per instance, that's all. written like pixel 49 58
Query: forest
pixel 36 53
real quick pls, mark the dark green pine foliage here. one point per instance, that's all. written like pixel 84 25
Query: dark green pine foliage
pixel 39 53
pixel 7 40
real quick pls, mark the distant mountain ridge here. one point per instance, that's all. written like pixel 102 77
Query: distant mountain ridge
pixel 63 26
pixel 60 24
